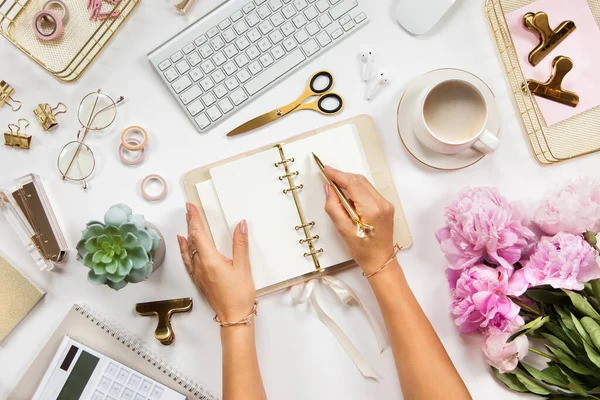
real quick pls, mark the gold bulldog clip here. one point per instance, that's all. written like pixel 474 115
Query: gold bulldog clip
pixel 46 115
pixel 6 92
pixel 163 310
pixel 552 89
pixel 549 38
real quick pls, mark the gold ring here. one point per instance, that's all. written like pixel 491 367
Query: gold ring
pixel 193 253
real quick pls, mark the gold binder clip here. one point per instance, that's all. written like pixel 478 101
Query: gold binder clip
pixel 163 310
pixel 6 92
pixel 549 38
pixel 18 140
pixel 552 89
pixel 46 115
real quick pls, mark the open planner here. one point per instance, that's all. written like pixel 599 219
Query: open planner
pixel 279 190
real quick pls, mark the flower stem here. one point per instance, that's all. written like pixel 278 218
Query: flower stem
pixel 524 306
pixel 541 353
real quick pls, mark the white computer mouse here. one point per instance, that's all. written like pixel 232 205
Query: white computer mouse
pixel 419 16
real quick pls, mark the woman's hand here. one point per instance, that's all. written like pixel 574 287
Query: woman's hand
pixel 227 284
pixel 374 250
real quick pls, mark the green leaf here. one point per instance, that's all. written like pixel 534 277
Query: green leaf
pixel 115 278
pixel 137 275
pixel 574 386
pixel 579 329
pixel 582 305
pixel 130 241
pixel 595 284
pixel 99 269
pixel 92 230
pixel 593 329
pixel 111 268
pixel 125 267
pixel 117 285
pixel 138 220
pixel 125 208
pixel 155 238
pixel 107 258
pixel 551 375
pixel 571 363
pixel 145 240
pixel 556 330
pixel 590 237
pixel 96 279
pixel 547 296
pixel 87 260
pixel 510 380
pixel 565 317
pixel 91 245
pixel 529 328
pixel 530 384
pixel 592 354
pixel 128 228
pixel 81 250
pixel 115 216
pixel 97 257
pixel 558 343
pixel 139 256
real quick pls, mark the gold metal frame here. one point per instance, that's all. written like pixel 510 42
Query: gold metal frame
pixel 574 137
pixel 65 58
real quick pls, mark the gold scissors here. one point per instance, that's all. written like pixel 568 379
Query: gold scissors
pixel 331 107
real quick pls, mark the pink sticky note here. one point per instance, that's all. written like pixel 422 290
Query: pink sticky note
pixel 582 46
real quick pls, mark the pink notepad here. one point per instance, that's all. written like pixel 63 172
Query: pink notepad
pixel 582 46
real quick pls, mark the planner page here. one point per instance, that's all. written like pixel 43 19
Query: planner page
pixel 250 189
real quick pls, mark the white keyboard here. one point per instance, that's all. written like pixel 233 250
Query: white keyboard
pixel 224 60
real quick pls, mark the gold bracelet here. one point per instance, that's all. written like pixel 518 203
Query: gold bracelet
pixel 396 250
pixel 244 321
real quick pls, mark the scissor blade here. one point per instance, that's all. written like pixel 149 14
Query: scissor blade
pixel 255 123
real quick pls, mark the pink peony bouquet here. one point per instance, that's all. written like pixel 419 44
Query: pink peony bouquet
pixel 526 293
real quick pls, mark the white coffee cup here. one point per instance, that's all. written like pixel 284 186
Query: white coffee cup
pixel 451 116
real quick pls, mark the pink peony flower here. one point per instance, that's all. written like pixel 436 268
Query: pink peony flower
pixel 563 261
pixel 501 355
pixel 483 226
pixel 479 300
pixel 574 208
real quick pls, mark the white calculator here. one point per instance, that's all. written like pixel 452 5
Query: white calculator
pixel 78 372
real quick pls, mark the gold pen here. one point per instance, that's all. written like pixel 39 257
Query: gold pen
pixel 362 228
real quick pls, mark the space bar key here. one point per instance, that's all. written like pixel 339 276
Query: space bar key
pixel 270 75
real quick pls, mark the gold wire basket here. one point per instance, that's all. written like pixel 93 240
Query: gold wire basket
pixel 574 137
pixel 81 41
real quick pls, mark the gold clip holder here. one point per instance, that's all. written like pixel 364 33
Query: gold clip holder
pixel 549 38
pixel 304 224
pixel 17 140
pixel 552 89
pixel 46 115
pixel 6 92
pixel 164 309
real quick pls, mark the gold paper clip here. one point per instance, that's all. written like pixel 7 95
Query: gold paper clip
pixel 46 115
pixel 549 38
pixel 552 89
pixel 6 92
pixel 17 140
pixel 163 310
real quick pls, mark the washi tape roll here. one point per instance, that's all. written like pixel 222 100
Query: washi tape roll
pixel 49 17
pixel 159 196
pixel 127 134
pixel 62 9
pixel 128 161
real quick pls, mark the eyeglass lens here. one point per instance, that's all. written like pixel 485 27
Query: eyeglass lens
pixel 76 161
pixel 97 111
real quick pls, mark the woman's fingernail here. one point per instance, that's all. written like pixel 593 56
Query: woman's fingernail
pixel 326 186
pixel 244 226
pixel 179 239
pixel 187 207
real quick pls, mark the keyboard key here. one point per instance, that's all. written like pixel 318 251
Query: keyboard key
pixel 300 4
pixel 275 4
pixel 276 36
pixel 230 51
pixel 263 11
pixel 360 18
pixel 209 99
pixel 334 2
pixel 219 59
pixel 183 67
pixel 232 83
pixel 252 52
pixel 242 43
pixel 238 96
pixel 146 387
pixel 201 40
pixel 284 65
pixel 277 19
pixel 181 84
pixel 206 51
pixel 196 74
pixel 342 8
pixel 264 44
pixel 322 5
pixel 288 28
pixel 195 107
pixel 115 389
pixel 225 105
pixel 312 28
pixel 225 24
pixel 194 59
pixel 202 121
pixel 240 27
pixel 337 33
pixel 289 44
pixel 248 7
pixel 323 38
pixel 212 32
pixel 299 21
pixel 191 94
pixel 104 383
pixel 123 375
pixel 189 48
pixel 311 13
pixel 220 91
pixel 229 35
pixel 218 76
pixel 135 380
pixel 171 74
pixel 177 56
pixel 230 68
pixel 324 20
pixel 165 64
pixel 241 60
pixel 207 83
pixel 252 19
pixel 278 52
pixel 265 27
pixel 301 36
pixel 254 35
pixel 217 43
pixel 243 75
pixel 259 2
pixel 349 26
pixel 236 15
pixel 207 66
pixel 289 11
pixel 214 113
pixel 127 394
pixel 254 67
pixel 345 19
pixel 266 60
pixel 310 47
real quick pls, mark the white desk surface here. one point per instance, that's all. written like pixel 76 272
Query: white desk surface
pixel 299 358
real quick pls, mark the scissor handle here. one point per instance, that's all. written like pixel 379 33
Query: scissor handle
pixel 327 75
pixel 318 105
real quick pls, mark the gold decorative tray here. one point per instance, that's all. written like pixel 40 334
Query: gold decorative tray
pixel 81 41
pixel 574 137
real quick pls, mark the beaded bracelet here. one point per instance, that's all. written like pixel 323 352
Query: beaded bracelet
pixel 244 321
pixel 396 250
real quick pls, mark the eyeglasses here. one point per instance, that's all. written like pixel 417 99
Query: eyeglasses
pixel 76 161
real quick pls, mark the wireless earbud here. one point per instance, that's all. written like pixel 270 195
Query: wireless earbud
pixel 366 58
pixel 382 80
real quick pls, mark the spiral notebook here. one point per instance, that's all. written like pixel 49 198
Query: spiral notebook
pixel 85 326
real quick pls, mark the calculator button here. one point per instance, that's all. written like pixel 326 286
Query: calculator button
pixel 110 398
pixel 123 375
pixel 195 107
pixel 115 389
pixel 181 84
pixel 202 121
pixel 177 56
pixel 134 381
pixel 214 113
pixel 104 383
pixel 164 64
pixel 145 388
pixel 139 397
pixel 98 395
pixel 127 394
pixel 156 392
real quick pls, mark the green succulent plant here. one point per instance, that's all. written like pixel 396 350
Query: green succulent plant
pixel 118 251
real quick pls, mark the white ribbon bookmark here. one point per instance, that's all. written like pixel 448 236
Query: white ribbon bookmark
pixel 306 291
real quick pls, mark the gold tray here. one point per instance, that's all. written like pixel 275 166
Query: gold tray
pixel 82 40
pixel 573 137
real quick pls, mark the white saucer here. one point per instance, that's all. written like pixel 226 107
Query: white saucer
pixel 405 116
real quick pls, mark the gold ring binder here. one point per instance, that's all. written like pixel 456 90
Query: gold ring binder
pixel 313 253
pixel 311 239
pixel 295 173
pixel 286 191
pixel 284 161
pixel 311 223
